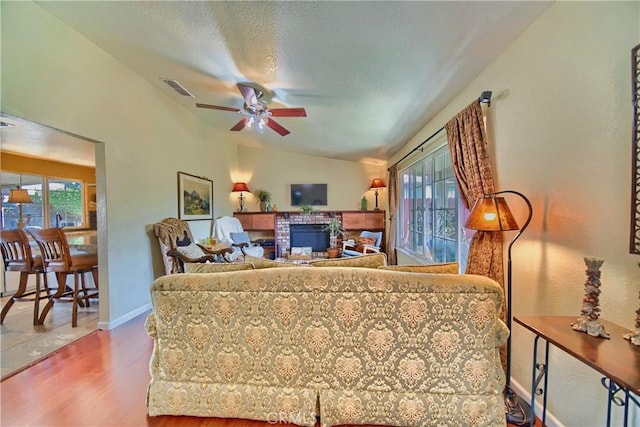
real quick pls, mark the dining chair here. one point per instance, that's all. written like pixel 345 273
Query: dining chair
pixel 17 256
pixel 57 258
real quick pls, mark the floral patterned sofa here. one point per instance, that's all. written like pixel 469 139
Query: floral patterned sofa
pixel 348 345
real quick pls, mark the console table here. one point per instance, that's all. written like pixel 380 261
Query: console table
pixel 615 358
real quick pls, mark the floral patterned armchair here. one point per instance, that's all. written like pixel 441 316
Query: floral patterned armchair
pixel 177 246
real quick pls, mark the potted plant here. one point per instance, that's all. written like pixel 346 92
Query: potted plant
pixel 335 229
pixel 265 198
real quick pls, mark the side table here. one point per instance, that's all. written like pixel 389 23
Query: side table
pixel 615 358
pixel 218 250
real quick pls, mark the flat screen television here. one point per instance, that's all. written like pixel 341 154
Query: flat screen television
pixel 308 194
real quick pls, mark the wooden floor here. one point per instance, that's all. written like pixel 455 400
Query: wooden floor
pixel 97 381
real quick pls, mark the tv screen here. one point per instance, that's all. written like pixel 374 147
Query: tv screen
pixel 308 194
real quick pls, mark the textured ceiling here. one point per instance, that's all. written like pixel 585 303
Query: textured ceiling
pixel 369 74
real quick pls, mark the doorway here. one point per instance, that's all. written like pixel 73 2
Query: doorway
pixel 29 140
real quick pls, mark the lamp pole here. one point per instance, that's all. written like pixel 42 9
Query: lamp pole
pixel 509 395
pixel 509 274
pixel 492 214
pixel 241 201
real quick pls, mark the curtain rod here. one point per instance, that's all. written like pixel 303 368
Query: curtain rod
pixel 485 97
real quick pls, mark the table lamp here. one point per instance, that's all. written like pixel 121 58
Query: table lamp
pixel 491 213
pixel 375 184
pixel 19 196
pixel 240 187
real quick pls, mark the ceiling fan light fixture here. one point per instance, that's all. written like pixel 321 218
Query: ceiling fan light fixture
pixel 256 114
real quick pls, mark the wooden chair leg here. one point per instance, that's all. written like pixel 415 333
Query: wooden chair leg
pixel 94 274
pixel 50 300
pixel 83 282
pixel 22 288
pixel 61 278
pixel 36 301
pixel 74 310
pixel 5 309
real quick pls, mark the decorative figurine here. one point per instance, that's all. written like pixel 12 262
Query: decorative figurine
pixel 589 321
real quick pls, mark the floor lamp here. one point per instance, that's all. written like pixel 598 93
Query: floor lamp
pixel 491 213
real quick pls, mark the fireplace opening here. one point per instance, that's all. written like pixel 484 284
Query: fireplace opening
pixel 305 235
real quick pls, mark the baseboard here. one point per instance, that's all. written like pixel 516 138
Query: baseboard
pixel 123 319
pixel 550 420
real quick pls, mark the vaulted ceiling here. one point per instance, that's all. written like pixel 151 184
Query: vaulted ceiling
pixel 370 75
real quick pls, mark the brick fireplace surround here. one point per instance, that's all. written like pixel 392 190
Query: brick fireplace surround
pixel 283 220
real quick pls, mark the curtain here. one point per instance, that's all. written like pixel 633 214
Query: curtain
pixel 472 166
pixel 393 206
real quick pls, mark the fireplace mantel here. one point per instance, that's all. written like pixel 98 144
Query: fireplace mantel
pixel 277 223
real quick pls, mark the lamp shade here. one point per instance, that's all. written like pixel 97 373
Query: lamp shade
pixel 240 186
pixel 377 183
pixel 491 213
pixel 19 196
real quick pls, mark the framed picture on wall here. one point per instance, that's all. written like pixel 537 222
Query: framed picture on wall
pixel 195 197
pixel 635 151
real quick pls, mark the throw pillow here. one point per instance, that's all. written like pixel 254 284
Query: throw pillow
pixel 240 237
pixel 446 268
pixel 215 267
pixel 192 250
pixel 366 261
pixel 365 241
pixel 185 241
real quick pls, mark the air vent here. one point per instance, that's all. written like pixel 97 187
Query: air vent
pixel 5 125
pixel 177 87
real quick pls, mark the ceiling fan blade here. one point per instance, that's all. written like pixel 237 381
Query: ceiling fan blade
pixel 278 128
pixel 217 107
pixel 249 94
pixel 288 112
pixel 240 125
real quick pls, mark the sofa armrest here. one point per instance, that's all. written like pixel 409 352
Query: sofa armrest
pixel 502 333
pixel 370 249
pixel 150 326
pixel 224 252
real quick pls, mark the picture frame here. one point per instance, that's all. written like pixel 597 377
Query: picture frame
pixel 195 197
pixel 634 241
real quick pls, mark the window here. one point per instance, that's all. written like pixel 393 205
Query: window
pixel 430 225
pixel 54 201
pixel 65 202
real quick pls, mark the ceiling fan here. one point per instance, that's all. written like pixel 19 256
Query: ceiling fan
pixel 256 112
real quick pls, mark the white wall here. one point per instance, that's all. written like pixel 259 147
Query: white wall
pixel 53 76
pixel 561 122
pixel 275 170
